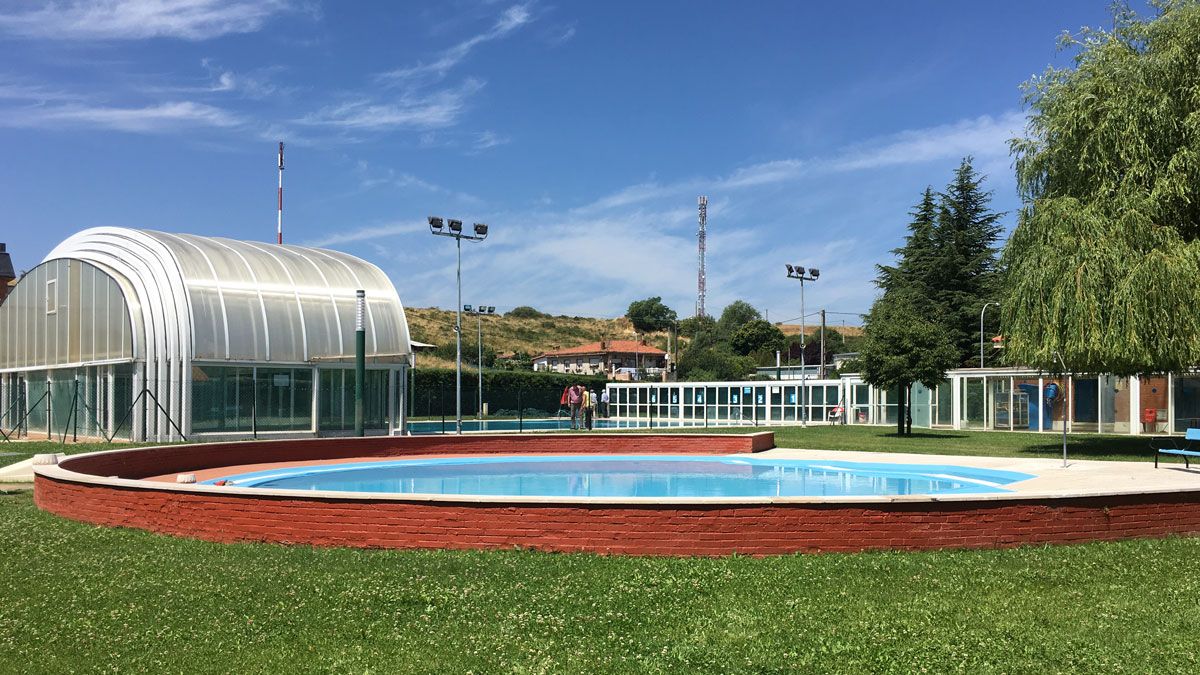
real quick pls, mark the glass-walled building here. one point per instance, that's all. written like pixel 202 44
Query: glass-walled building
pixel 1002 399
pixel 155 336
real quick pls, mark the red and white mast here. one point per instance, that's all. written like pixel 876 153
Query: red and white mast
pixel 279 227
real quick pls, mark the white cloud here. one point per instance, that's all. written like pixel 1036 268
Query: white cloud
pixel 983 136
pixel 368 233
pixel 512 19
pixel 21 91
pixel 158 118
pixel 371 179
pixel 488 139
pixel 754 175
pixel 562 36
pixel 139 19
pixel 410 111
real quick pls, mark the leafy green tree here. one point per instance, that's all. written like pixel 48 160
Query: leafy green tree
pixel 713 364
pixel 734 316
pixel 651 315
pixel 756 335
pixel 903 346
pixel 1104 265
pixel 696 325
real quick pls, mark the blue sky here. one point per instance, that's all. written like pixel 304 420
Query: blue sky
pixel 581 132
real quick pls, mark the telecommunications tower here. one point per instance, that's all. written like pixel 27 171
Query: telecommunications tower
pixel 701 285
pixel 279 226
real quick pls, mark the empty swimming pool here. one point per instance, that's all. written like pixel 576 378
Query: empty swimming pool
pixel 643 476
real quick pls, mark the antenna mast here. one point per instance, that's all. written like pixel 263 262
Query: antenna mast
pixel 279 227
pixel 701 279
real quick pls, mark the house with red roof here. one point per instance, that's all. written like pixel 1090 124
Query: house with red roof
pixel 618 359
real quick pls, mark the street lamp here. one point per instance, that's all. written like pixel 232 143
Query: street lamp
pixel 811 274
pixel 455 229
pixel 479 311
pixel 981 313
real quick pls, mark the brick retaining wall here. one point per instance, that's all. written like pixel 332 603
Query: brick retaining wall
pixel 656 529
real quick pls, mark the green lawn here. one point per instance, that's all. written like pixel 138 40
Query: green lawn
pixel 11 453
pixel 79 598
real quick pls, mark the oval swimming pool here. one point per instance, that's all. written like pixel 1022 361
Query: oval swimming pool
pixel 640 476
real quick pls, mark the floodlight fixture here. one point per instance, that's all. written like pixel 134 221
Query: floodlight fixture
pixel 466 308
pixel 790 269
pixel 481 229
pixel 435 223
pixel 814 273
pixel 491 309
pixel 455 225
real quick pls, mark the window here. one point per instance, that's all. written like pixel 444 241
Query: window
pixel 52 296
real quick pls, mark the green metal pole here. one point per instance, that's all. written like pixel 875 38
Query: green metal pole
pixel 360 362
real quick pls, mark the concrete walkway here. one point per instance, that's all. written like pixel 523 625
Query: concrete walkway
pixel 1079 478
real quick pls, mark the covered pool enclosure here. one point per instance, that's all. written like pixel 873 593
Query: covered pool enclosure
pixel 156 336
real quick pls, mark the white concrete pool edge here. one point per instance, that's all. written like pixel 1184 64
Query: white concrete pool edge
pixel 1081 478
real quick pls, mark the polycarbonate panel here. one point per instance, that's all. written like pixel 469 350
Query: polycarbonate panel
pixel 62 323
pixel 308 297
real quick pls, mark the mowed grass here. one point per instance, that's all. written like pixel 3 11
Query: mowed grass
pixel 17 451
pixel 74 597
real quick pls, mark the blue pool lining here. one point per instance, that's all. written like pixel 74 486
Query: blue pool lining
pixel 989 478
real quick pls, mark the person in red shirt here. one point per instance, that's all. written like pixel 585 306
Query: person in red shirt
pixel 574 400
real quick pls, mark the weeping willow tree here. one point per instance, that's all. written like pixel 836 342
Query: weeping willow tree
pixel 1104 264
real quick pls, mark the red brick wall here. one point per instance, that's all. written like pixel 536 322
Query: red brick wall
pixel 715 529
pixel 653 530
pixel 143 462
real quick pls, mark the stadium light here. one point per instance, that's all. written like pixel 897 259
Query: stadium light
pixel 436 225
pixel 799 273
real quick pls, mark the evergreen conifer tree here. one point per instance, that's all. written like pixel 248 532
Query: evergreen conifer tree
pixel 964 274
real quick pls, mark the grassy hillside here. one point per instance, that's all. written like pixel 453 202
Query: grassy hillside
pixel 532 335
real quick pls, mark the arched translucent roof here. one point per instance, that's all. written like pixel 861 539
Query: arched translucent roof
pixel 210 298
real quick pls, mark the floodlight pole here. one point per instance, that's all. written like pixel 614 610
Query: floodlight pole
pixel 481 231
pixel 479 361
pixel 981 313
pixel 803 275
pixel 458 340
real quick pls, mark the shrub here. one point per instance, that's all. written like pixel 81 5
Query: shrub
pixel 525 312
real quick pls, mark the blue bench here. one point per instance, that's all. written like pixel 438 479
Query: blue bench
pixel 1185 451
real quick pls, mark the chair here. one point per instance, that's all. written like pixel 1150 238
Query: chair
pixel 1185 450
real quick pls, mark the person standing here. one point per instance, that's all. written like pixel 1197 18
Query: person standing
pixel 589 408
pixel 574 399
pixel 604 403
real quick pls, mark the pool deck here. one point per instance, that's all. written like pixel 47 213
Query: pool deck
pixel 1080 478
